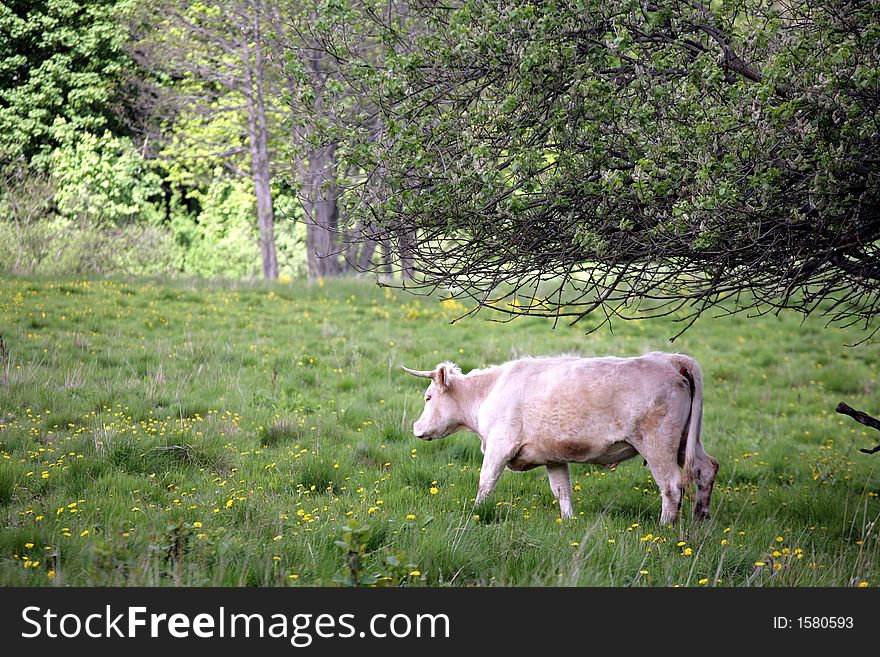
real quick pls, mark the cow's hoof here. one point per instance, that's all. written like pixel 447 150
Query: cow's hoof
pixel 701 512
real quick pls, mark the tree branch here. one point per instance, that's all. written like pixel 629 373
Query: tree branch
pixel 862 418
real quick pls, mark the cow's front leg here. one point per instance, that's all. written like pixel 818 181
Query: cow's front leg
pixel 495 458
pixel 560 484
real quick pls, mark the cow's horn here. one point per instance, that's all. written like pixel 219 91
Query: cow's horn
pixel 422 373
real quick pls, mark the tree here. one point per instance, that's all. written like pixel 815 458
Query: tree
pixel 102 179
pixel 61 66
pixel 317 101
pixel 216 51
pixel 637 158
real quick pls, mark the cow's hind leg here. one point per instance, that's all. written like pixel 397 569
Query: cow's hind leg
pixel 669 478
pixel 660 439
pixel 660 449
pixel 560 484
pixel 705 468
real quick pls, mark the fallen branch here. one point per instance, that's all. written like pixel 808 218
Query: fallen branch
pixel 861 418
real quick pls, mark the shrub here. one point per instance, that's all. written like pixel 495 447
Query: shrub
pixel 103 179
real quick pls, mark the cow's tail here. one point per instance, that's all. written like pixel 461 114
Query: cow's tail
pixel 690 369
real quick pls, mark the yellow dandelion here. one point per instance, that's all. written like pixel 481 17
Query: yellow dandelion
pixel 702 581
pixel 760 563
pixel 415 573
pixel 433 490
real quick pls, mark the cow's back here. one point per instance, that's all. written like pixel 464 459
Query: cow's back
pixel 568 408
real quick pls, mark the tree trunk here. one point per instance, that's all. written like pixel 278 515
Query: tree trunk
pixel 322 217
pixel 368 248
pixel 259 148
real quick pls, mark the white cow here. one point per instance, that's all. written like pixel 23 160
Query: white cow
pixel 560 410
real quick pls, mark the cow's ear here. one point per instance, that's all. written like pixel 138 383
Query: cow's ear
pixel 441 377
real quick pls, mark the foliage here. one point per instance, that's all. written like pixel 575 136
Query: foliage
pixel 390 569
pixel 209 234
pixel 103 179
pixel 198 143
pixel 134 450
pixel 628 157
pixel 100 187
pixel 76 110
pixel 26 199
pixel 60 246
pixel 220 239
pixel 353 543
pixel 647 157
pixel 61 65
pixel 218 50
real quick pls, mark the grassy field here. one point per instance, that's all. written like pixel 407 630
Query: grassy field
pixel 222 434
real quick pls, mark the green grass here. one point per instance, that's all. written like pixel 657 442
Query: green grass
pixel 225 434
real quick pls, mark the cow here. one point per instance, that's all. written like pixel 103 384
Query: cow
pixel 553 411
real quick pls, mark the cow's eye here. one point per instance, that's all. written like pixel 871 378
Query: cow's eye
pixel 427 398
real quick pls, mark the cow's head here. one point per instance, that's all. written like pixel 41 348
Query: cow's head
pixel 442 415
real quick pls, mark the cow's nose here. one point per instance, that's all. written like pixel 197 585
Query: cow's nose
pixel 417 430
